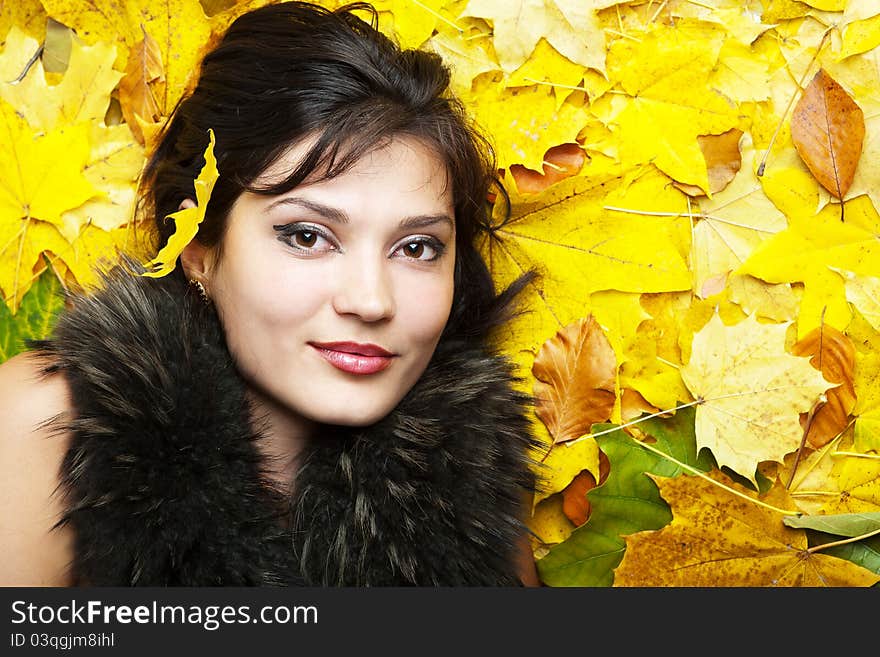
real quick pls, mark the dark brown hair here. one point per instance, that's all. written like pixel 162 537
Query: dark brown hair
pixel 293 70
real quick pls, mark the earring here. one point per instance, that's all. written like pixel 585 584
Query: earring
pixel 200 288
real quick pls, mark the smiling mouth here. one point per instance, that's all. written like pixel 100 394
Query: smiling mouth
pixel 343 357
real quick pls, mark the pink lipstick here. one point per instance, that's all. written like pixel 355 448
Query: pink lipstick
pixel 353 357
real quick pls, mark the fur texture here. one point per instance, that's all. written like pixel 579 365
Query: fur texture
pixel 165 485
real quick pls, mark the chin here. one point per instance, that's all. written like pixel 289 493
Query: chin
pixel 349 416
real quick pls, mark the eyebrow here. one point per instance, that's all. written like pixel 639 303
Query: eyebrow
pixel 338 216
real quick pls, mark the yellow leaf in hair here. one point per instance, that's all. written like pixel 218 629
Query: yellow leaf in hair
pixel 187 221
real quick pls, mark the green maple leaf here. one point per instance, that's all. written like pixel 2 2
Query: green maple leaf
pixel 35 317
pixel 627 502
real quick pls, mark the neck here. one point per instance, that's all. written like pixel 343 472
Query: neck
pixel 284 435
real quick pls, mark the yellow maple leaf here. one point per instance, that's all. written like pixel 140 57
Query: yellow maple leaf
pixel 100 165
pixel 733 222
pixel 32 178
pixel 565 461
pixel 778 303
pixel 114 163
pixel 860 36
pixel 827 5
pixel 524 122
pixel 23 77
pixel 717 538
pixel 805 252
pixel 144 80
pixel 840 478
pixel 787 182
pixel 548 524
pixel 734 16
pixel 864 293
pixel 81 262
pixel 187 220
pixel 651 361
pixel 861 28
pixel 547 66
pixel 82 95
pixel 581 248
pixel 28 15
pixel 469 56
pixel 570 26
pixel 669 103
pixel 867 409
pixel 858 478
pixel 179 27
pixel 411 23
pixel 739 74
pixel 751 391
pixel 619 314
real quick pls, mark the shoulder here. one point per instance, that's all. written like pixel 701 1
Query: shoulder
pixel 31 454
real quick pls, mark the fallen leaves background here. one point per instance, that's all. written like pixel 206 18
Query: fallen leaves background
pixel 696 183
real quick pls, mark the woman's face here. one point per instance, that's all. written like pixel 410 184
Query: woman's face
pixel 333 296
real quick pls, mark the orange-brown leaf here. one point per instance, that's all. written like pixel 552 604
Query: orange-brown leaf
pixel 575 374
pixel 633 405
pixel 834 354
pixel 144 80
pixel 828 127
pixel 575 504
pixel 723 160
pixel 559 162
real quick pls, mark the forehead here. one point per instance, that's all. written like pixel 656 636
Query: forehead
pixel 398 153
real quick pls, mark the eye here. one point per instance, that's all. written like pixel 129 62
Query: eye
pixel 305 238
pixel 425 249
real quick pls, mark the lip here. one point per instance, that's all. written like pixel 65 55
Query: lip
pixel 353 357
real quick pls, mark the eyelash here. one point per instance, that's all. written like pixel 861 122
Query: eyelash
pixel 288 231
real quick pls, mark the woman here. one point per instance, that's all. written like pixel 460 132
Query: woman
pixel 309 397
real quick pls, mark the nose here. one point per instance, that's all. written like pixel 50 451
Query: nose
pixel 364 288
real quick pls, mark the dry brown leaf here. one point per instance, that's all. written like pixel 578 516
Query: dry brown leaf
pixel 834 355
pixel 144 80
pixel 575 504
pixel 723 160
pixel 828 128
pixel 559 162
pixel 575 375
pixel 633 405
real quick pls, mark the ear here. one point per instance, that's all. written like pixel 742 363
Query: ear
pixel 195 257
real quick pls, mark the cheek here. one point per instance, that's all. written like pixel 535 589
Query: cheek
pixel 424 310
pixel 268 297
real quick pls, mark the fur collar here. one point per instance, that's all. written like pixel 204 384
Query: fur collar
pixel 165 486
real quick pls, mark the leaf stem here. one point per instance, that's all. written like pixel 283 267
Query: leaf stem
pixel 439 17
pixel 691 215
pixel 854 539
pixel 857 455
pixel 819 403
pixel 703 475
pixel 622 34
pixel 761 167
pixel 27 66
pixel 659 9
pixel 815 493
pixel 569 443
pixel 555 84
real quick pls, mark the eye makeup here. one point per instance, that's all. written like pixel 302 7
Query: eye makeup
pixel 291 233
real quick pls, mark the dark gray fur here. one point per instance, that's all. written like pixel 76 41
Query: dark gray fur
pixel 165 486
